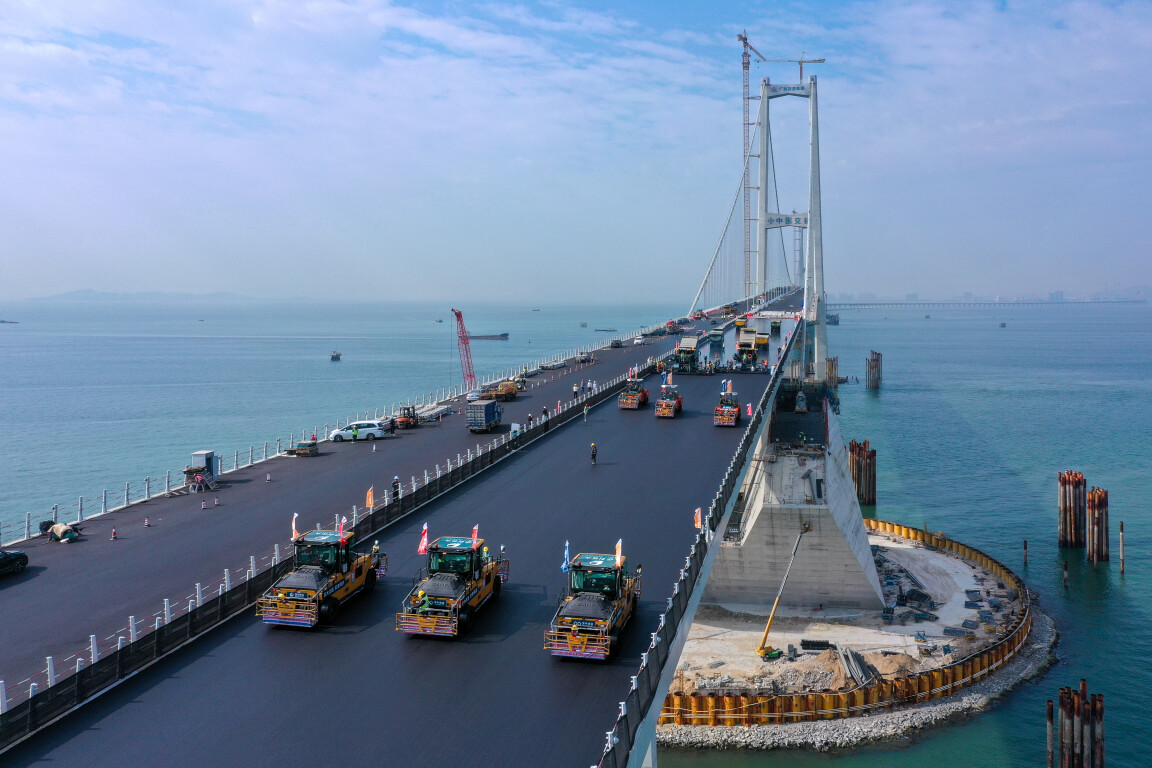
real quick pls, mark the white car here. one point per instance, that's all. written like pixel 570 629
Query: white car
pixel 475 394
pixel 365 430
pixel 637 341
pixel 554 365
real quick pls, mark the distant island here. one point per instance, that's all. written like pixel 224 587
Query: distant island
pixel 10 322
pixel 106 296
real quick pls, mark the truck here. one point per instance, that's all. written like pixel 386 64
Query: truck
pixel 483 415
pixel 459 579
pixel 728 411
pixel 686 356
pixel 745 357
pixel 328 573
pixel 598 601
pixel 670 402
pixel 502 390
pixel 634 396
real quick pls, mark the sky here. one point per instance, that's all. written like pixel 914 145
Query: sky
pixel 563 151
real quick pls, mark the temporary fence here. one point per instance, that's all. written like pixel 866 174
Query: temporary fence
pixel 730 710
pixel 645 683
pixel 33 703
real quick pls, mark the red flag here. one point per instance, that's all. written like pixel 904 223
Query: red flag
pixel 342 521
pixel 423 548
pixel 475 536
pixel 619 553
pixel 370 498
pixel 696 518
pixel 294 534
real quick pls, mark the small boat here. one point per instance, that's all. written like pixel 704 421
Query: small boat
pixel 336 357
pixel 606 330
pixel 536 310
pixel 439 320
pixel 1003 325
pixel 583 325
pixel 488 336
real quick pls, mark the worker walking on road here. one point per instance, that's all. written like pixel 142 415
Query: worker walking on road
pixel 585 413
pixel 355 433
pixel 593 453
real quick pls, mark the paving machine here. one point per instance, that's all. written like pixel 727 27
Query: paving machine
pixel 728 411
pixel 598 601
pixel 461 576
pixel 329 572
pixel 634 395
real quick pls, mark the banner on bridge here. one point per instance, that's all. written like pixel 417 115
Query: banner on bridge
pixel 777 220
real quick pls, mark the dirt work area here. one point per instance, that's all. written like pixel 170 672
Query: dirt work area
pixel 926 590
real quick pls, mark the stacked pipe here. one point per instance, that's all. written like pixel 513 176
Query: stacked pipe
pixel 1076 734
pixel 1096 523
pixel 1073 506
pixel 873 369
pixel 862 461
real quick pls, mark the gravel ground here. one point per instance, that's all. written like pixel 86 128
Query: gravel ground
pixel 1033 660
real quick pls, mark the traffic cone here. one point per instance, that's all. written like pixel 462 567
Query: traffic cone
pixel 147 524
pixel 268 477
pixel 203 505
pixel 373 447
pixel 113 534
pixel 216 501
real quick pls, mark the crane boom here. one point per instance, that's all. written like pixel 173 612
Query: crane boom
pixel 465 351
pixel 766 651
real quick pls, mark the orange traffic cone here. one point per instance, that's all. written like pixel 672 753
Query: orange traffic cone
pixel 113 534
pixel 216 501
pixel 147 524
pixel 203 505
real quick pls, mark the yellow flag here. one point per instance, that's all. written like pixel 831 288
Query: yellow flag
pixel 619 553
pixel 370 499
pixel 696 518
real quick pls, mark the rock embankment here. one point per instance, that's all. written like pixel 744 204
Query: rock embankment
pixel 1034 659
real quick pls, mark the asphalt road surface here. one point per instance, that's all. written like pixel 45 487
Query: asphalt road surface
pixel 71 591
pixel 360 693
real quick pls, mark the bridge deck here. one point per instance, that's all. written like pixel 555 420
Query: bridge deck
pixel 71 591
pixel 253 695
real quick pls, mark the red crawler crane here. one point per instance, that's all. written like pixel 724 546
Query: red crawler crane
pixel 465 351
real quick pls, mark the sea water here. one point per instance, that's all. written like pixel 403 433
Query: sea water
pixel 971 425
pixel 94 395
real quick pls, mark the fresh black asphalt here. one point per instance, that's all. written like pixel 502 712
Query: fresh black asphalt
pixel 362 693
pixel 71 591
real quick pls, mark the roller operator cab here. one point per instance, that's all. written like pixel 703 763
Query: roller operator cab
pixel 598 601
pixel 670 402
pixel 328 572
pixel 728 411
pixel 634 395
pixel 461 576
pixel 745 357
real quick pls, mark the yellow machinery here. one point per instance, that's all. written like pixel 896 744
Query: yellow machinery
pixel 599 600
pixel 766 651
pixel 459 579
pixel 328 573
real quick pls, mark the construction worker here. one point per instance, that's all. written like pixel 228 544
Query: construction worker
pixel 355 433
pixel 396 488
pixel 422 602
pixel 376 547
pixel 593 453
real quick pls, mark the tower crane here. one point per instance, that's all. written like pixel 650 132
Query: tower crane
pixel 465 351
pixel 747 60
pixel 801 61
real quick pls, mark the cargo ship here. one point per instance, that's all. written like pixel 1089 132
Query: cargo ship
pixel 488 336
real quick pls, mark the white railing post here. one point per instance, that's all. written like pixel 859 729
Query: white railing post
pixel 51 672
pixel 27 525
pixel 355 518
pixel 3 698
pixel 199 595
pixel 55 513
pixel 80 514
pixel 147 488
pixel 132 628
pixel 159 623
pixel 125 494
pixel 167 611
pixel 252 563
pixel 104 502
pixel 227 580
pixel 94 650
pixel 168 481
pixel 276 554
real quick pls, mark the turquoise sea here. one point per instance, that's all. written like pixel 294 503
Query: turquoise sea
pixel 971 425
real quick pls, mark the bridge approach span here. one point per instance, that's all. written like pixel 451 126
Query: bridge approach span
pixel 253 695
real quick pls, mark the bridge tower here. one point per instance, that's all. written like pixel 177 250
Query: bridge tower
pixel 815 348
